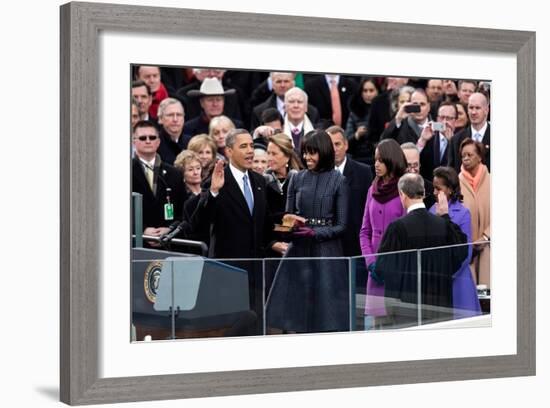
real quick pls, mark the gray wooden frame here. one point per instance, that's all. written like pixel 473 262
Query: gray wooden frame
pixel 80 25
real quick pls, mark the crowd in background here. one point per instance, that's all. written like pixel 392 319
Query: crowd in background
pixel 327 149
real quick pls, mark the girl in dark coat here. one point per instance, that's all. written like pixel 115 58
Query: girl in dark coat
pixel 311 295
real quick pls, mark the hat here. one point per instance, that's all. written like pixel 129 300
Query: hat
pixel 260 144
pixel 210 87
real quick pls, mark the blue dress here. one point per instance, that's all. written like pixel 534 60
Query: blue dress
pixel 312 295
pixel 465 300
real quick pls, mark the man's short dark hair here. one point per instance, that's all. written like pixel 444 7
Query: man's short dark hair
pixel 145 124
pixel 232 135
pixel 448 103
pixel 271 115
pixel 412 185
pixel 139 83
pixel 318 141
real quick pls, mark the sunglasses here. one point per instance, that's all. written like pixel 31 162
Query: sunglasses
pixel 150 137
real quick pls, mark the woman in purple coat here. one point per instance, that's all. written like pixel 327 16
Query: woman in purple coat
pixel 465 300
pixel 382 207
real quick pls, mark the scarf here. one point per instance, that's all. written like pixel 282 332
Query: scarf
pixel 475 179
pixel 158 97
pixel 384 192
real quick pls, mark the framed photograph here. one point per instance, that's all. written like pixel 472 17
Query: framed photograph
pixel 99 42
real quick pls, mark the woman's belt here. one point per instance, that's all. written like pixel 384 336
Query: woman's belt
pixel 318 222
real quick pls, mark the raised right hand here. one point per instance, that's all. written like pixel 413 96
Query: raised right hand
pixel 218 177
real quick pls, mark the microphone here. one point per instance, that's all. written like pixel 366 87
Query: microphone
pixel 164 239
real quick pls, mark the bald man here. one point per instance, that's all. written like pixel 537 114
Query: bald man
pixel 479 130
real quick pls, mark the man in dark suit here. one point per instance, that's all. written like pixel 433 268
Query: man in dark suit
pixel 419 230
pixel 236 210
pixel 172 139
pixel 144 98
pixel 297 121
pixel 280 82
pixel 358 178
pixel 434 144
pixel 407 126
pixel 479 130
pixel 211 96
pixel 160 184
pixel 412 155
pixel 380 113
pixel 328 90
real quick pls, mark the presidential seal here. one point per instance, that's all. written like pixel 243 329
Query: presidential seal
pixel 151 280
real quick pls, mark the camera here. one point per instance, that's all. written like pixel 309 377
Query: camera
pixel 412 108
pixel 438 126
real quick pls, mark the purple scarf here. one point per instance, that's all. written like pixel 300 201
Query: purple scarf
pixel 384 192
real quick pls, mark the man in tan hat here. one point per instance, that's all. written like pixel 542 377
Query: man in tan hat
pixel 212 101
pixel 234 104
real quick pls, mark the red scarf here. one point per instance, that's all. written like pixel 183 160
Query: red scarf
pixel 158 97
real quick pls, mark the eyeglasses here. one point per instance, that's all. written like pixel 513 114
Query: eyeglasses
pixel 449 118
pixel 414 165
pixel 175 115
pixel 151 138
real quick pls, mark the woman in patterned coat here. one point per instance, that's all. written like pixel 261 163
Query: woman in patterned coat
pixel 312 295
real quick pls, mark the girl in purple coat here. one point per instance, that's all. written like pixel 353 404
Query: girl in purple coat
pixel 465 300
pixel 382 207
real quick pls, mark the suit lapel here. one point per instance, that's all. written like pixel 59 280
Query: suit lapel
pixel 234 191
pixel 348 171
pixel 140 176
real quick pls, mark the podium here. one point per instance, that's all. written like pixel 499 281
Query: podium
pixel 181 296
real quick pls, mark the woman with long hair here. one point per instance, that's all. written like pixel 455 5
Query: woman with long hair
pixel 447 187
pixel 360 148
pixel 312 295
pixel 382 207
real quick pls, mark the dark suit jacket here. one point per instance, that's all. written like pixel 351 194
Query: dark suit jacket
pixel 454 155
pixel 379 116
pixel 168 149
pixel 234 232
pixel 165 176
pixel 271 102
pixel 318 93
pixel 358 178
pixel 416 230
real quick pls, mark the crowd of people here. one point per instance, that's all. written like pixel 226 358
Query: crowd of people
pixel 359 166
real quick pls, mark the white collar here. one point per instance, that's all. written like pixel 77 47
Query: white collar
pixel 415 207
pixel 237 173
pixel 150 164
pixel 341 167
pixel 480 131
pixel 329 78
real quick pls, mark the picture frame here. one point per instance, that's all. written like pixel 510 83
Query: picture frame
pixel 81 24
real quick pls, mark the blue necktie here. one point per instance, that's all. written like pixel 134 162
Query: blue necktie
pixel 477 137
pixel 248 194
pixel 442 147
